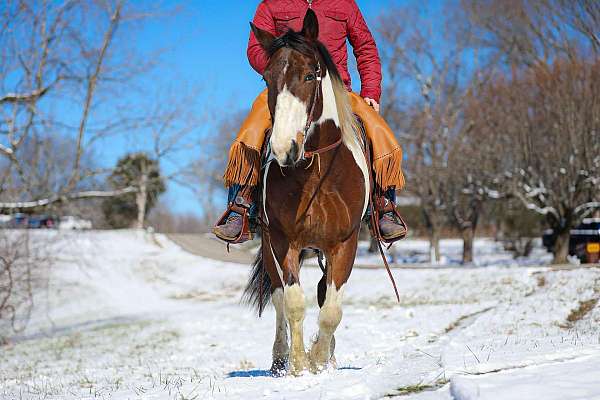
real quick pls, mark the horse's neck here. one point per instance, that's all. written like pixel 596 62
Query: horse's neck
pixel 324 134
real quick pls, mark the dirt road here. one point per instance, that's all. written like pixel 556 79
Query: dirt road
pixel 206 246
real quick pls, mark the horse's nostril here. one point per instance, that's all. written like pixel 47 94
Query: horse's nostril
pixel 293 154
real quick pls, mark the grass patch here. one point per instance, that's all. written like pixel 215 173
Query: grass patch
pixel 418 388
pixel 580 312
pixel 462 319
pixel 541 281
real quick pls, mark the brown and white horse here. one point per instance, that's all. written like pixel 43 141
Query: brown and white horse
pixel 314 193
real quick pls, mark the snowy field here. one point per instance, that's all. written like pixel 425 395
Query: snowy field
pixel 130 315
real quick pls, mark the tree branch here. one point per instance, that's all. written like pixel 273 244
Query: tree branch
pixel 31 205
pixel 24 97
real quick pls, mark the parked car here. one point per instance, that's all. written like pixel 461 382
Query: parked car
pixel 24 221
pixel 5 220
pixel 20 220
pixel 42 222
pixel 584 240
pixel 70 222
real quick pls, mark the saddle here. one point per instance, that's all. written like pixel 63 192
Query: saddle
pixel 377 204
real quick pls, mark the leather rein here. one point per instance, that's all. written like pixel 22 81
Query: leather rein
pixel 310 120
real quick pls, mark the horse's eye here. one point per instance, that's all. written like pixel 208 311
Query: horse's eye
pixel 310 77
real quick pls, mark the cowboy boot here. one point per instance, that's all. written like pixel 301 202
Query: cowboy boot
pixel 235 226
pixel 391 225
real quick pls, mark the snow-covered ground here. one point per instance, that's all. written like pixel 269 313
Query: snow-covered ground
pixel 486 252
pixel 130 315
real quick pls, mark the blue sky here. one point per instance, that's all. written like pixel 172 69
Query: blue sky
pixel 204 45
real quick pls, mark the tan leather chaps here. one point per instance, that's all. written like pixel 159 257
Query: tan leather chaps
pixel 244 155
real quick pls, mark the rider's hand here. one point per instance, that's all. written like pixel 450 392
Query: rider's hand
pixel 372 103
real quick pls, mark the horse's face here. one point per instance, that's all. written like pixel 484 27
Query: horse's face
pixel 292 78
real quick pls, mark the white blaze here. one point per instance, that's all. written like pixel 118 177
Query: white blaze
pixel 290 118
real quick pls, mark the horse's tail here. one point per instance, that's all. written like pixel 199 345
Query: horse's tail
pixel 258 290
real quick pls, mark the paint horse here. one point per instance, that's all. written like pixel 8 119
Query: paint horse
pixel 315 190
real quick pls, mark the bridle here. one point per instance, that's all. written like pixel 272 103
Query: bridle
pixel 311 117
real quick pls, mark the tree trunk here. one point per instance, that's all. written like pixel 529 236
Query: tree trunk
pixel 141 198
pixel 468 235
pixel 561 247
pixel 434 246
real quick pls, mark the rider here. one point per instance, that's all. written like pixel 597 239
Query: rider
pixel 338 20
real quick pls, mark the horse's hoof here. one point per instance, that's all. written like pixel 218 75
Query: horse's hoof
pixel 316 367
pixel 333 362
pixel 299 365
pixel 319 365
pixel 322 358
pixel 279 367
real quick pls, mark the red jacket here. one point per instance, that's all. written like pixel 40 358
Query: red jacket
pixel 338 20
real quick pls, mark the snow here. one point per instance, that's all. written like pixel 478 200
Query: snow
pixel 131 315
pixel 552 381
pixel 416 252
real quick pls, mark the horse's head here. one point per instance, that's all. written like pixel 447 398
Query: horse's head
pixel 293 77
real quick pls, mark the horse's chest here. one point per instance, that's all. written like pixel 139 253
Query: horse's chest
pixel 313 205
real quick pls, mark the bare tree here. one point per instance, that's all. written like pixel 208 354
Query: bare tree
pixel 47 57
pixel 441 167
pixel 206 174
pixel 23 272
pixel 527 32
pixel 545 119
pixel 172 124
pixel 70 55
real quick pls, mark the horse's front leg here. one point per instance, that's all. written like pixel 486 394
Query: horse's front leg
pixel 281 349
pixel 293 308
pixel 340 262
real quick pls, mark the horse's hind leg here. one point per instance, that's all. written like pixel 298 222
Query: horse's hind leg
pixel 281 349
pixel 340 262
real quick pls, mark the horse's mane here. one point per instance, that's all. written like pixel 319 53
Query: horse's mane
pixel 296 41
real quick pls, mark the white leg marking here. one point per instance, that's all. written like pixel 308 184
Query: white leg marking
pixel 295 309
pixel 329 319
pixel 281 348
pixel 290 118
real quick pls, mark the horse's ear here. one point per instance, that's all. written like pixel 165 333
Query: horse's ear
pixel 310 29
pixel 264 38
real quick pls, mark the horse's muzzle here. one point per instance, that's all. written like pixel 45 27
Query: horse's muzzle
pixel 291 157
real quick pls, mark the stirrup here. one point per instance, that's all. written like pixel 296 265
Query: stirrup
pixel 383 206
pixel 241 207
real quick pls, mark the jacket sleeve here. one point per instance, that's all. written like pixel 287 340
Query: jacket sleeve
pixel 257 56
pixel 365 51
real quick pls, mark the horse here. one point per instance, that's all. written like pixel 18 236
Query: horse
pixel 315 191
